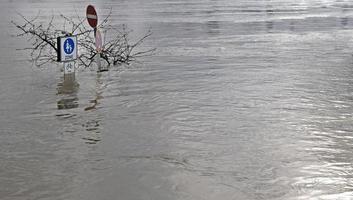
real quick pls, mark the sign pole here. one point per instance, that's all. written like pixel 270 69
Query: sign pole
pixel 98 56
pixel 98 60
pixel 98 38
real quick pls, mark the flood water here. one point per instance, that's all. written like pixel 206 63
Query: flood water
pixel 242 100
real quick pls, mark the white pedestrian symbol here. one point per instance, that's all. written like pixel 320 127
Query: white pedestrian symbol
pixel 68 47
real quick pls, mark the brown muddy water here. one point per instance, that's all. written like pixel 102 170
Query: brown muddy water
pixel 242 100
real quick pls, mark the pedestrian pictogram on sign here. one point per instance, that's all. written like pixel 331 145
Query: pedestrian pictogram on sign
pixel 69 46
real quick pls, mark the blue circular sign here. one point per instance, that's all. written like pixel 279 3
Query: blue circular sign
pixel 69 46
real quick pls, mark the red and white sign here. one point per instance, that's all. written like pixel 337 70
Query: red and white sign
pixel 99 42
pixel 92 16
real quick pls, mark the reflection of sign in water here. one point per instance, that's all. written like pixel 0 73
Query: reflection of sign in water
pixel 67 48
pixel 67 92
pixel 69 67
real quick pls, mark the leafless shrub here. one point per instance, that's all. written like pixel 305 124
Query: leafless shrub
pixel 116 49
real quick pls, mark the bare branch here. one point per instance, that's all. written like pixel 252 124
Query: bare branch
pixel 117 48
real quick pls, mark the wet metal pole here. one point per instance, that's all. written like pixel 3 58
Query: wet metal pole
pixel 98 56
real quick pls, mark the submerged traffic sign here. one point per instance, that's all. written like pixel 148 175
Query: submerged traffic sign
pixel 69 67
pixel 67 48
pixel 92 16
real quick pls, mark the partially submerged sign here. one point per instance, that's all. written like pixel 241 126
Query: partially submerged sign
pixel 92 16
pixel 93 21
pixel 67 48
pixel 69 67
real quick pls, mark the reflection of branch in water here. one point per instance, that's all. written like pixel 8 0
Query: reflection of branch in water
pixel 68 91
pixel 95 103
pixel 92 136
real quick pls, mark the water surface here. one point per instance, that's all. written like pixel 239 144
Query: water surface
pixel 242 100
